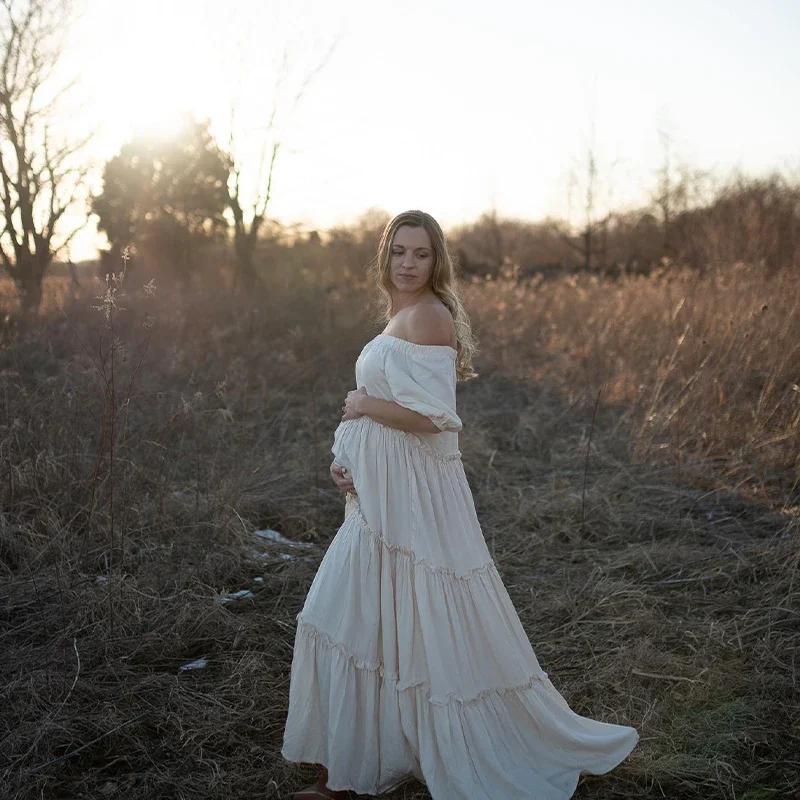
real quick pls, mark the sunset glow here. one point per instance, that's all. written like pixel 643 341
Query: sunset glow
pixel 434 106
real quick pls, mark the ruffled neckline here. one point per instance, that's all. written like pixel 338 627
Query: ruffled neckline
pixel 412 347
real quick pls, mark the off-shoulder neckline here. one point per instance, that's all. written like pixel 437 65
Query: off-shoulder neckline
pixel 413 347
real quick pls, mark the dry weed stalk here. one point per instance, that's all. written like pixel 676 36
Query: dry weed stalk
pixel 113 406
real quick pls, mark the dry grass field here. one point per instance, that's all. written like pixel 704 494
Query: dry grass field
pixel 633 447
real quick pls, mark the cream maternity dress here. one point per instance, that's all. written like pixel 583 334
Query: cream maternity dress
pixel 409 657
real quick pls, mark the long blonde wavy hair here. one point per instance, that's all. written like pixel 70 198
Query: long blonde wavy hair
pixel 443 283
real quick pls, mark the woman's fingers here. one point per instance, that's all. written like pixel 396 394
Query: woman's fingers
pixel 343 483
pixel 346 485
pixel 337 473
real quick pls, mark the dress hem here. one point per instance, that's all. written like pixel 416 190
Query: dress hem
pixel 368 792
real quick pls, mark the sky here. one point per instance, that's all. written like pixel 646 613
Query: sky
pixel 451 106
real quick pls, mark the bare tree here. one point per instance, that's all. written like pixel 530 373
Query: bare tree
pixel 666 195
pixel 40 177
pixel 585 244
pixel 589 226
pixel 592 240
pixel 245 231
pixel 496 236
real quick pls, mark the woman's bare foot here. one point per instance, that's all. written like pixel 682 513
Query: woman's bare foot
pixel 320 790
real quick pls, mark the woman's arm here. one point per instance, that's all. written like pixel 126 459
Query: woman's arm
pixel 393 415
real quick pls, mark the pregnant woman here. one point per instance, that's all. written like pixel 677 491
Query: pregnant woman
pixel 409 657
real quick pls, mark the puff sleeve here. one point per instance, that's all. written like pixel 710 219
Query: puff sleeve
pixel 426 383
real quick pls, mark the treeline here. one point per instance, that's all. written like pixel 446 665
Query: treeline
pixel 171 208
pixel 170 203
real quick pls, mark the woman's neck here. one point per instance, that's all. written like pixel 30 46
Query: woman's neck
pixel 403 300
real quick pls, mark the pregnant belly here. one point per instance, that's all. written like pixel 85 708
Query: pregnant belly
pixel 344 441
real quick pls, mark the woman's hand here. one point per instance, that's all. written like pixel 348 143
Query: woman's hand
pixel 352 404
pixel 342 478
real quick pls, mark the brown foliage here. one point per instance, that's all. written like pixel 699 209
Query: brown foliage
pixel 655 573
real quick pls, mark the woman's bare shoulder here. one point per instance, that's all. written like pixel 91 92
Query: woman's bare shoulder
pixel 430 324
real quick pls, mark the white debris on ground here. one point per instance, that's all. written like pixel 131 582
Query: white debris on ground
pixel 242 594
pixel 273 536
pixel 270 536
pixel 93 578
pixel 267 536
pixel 198 664
pixel 274 558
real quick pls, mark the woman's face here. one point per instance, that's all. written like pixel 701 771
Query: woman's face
pixel 411 260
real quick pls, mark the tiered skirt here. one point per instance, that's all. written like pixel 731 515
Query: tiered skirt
pixel 409 657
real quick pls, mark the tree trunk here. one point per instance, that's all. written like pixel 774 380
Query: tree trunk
pixel 29 288
pixel 245 272
pixel 244 243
